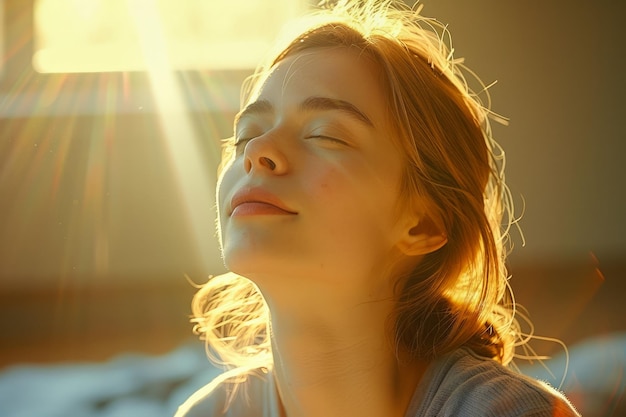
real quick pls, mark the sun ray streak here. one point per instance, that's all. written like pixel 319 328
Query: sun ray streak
pixel 194 184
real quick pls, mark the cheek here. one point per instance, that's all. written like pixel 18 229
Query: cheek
pixel 363 201
pixel 344 185
pixel 344 199
pixel 329 187
pixel 225 184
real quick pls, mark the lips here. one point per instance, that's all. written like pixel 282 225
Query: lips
pixel 257 201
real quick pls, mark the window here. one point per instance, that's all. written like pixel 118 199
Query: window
pixel 135 35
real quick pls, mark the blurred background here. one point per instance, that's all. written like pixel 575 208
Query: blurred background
pixel 111 116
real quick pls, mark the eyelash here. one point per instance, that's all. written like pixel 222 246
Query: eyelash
pixel 238 144
pixel 329 138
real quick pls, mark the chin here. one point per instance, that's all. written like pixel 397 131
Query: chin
pixel 245 263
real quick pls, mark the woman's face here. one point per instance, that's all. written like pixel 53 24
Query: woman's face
pixel 313 187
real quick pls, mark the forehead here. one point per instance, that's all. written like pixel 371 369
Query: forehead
pixel 338 73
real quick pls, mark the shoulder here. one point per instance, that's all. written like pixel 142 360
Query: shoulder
pixel 232 394
pixel 462 383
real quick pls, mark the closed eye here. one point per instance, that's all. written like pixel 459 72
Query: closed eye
pixel 240 144
pixel 328 138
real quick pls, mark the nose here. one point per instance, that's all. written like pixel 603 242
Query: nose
pixel 262 154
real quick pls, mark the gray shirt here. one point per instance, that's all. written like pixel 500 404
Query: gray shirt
pixel 458 384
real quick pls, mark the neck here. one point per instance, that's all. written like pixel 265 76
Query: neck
pixel 337 362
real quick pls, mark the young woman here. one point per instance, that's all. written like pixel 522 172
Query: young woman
pixel 362 198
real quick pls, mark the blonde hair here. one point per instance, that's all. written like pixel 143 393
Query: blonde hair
pixel 459 294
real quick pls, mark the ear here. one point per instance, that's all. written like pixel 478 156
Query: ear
pixel 422 237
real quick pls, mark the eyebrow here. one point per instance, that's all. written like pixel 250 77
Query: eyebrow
pixel 325 103
pixel 259 107
pixel 262 107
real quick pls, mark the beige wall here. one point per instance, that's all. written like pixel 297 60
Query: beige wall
pixel 560 69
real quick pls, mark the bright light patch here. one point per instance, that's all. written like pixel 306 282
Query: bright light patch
pixel 102 35
pixel 2 29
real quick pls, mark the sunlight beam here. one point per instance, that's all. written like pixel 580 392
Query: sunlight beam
pixel 194 184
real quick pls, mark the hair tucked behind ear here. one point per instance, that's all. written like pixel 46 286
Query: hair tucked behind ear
pixel 453 172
